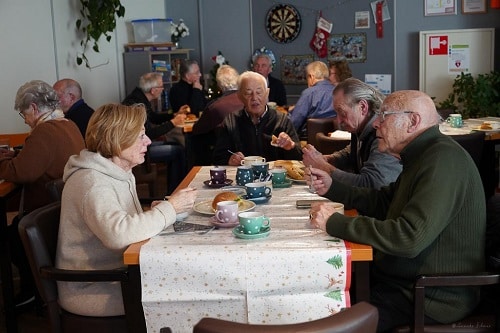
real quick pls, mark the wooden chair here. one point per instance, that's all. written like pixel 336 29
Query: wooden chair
pixel 360 318
pixel 39 231
pixel 483 320
pixel 320 125
pixel 327 145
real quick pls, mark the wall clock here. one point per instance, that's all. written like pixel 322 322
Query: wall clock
pixel 283 23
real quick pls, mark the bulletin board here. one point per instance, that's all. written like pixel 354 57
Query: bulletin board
pixel 444 54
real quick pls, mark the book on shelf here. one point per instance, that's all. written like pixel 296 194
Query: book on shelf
pixel 141 47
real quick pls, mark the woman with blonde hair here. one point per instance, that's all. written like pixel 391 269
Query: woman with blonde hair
pixel 100 211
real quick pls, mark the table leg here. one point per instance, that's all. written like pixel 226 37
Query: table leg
pixel 6 271
pixel 132 300
pixel 361 270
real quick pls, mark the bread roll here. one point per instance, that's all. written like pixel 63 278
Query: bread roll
pixel 224 196
pixel 293 171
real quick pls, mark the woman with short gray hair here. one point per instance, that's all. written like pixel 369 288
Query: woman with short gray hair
pixel 52 140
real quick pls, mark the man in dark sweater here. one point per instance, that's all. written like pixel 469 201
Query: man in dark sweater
pixel 432 220
pixel 188 91
pixel 157 126
pixel 72 104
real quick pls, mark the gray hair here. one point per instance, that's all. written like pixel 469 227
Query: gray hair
pixel 185 67
pixel 38 92
pixel 318 69
pixel 149 81
pixel 249 75
pixel 265 56
pixel 227 78
pixel 356 90
pixel 70 86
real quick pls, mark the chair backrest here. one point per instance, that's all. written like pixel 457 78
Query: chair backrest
pixel 328 145
pixel 360 318
pixel 39 230
pixel 39 233
pixel 319 125
pixel 473 143
pixel 55 188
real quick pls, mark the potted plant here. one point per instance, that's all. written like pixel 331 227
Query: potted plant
pixel 475 97
pixel 98 18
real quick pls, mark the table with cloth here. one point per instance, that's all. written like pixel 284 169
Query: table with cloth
pixel 295 274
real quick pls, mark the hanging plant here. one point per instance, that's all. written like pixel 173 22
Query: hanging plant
pixel 98 18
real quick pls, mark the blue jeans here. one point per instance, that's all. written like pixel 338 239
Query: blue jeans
pixel 174 156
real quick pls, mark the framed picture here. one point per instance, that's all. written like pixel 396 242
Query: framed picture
pixel 440 7
pixel 349 47
pixel 293 68
pixel 473 6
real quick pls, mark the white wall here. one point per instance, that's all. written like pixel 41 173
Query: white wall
pixel 39 41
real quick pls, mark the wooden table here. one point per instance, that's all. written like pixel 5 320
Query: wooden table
pixel 361 255
pixel 7 191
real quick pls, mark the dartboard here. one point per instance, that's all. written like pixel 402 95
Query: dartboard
pixel 283 23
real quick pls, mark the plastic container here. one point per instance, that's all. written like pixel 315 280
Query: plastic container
pixel 152 30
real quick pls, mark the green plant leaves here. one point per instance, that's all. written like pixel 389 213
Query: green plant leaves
pixel 98 19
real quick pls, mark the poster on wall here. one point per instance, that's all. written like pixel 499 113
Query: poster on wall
pixel 440 7
pixel 382 82
pixel 293 68
pixel 459 59
pixel 349 47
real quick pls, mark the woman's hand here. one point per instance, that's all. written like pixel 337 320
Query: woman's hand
pixel 183 200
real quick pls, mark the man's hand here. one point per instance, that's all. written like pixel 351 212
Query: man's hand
pixel 310 156
pixel 319 179
pixel 236 158
pixel 319 214
pixel 178 119
pixel 285 141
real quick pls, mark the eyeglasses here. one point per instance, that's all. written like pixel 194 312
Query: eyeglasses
pixel 385 113
pixel 21 114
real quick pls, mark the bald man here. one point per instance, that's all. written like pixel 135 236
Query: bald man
pixel 72 104
pixel 432 220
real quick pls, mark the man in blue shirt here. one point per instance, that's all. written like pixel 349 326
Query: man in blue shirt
pixel 316 101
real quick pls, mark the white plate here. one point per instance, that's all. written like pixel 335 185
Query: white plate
pixel 205 207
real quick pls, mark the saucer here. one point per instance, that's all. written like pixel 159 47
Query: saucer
pixel 211 185
pixel 219 224
pixel 286 183
pixel 259 200
pixel 264 232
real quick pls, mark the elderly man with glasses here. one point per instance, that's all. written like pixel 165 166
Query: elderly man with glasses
pixel 431 220
pixel 361 163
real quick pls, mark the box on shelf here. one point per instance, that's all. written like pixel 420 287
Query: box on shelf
pixel 152 30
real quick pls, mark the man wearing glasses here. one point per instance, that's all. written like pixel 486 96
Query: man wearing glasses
pixel 432 220
pixel 158 125
pixel 361 163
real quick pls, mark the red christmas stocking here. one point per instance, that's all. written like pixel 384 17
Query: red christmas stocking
pixel 319 41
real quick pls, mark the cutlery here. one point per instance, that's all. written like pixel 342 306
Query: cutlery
pixel 232 153
pixel 202 232
pixel 311 186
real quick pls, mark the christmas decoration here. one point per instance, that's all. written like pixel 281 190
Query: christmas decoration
pixel 319 41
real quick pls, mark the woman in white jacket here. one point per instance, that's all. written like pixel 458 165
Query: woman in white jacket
pixel 100 211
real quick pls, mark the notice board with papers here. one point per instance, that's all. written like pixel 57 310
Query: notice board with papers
pixel 444 54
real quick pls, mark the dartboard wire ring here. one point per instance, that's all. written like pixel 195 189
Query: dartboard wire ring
pixel 283 23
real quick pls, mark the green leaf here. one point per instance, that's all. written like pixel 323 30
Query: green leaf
pixel 334 294
pixel 336 261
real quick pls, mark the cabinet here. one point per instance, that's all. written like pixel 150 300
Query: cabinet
pixel 138 63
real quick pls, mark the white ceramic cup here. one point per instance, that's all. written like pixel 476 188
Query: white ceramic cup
pixel 249 160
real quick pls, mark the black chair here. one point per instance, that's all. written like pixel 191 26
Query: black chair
pixel 39 232
pixel 55 188
pixel 320 125
pixel 360 318
pixel 473 143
